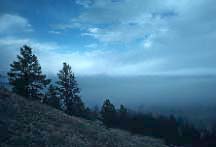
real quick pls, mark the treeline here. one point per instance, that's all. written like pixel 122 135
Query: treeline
pixel 175 131
pixel 26 78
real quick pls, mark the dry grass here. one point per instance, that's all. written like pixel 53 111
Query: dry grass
pixel 30 123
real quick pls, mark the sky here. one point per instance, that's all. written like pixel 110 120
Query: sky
pixel 112 37
pixel 133 52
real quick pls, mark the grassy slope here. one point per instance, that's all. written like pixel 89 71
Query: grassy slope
pixel 30 123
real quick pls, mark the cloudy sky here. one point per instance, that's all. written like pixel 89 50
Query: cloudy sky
pixel 113 37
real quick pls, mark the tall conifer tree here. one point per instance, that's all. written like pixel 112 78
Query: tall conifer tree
pixel 108 113
pixel 26 76
pixel 70 92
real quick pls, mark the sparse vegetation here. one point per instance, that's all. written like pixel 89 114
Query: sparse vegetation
pixel 30 123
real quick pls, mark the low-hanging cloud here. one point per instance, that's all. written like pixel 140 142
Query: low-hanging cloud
pixel 128 38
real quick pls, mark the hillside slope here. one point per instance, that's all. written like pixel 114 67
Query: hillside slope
pixel 30 123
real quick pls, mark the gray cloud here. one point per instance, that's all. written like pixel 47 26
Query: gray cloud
pixel 166 37
pixel 132 39
pixel 12 23
pixel 149 90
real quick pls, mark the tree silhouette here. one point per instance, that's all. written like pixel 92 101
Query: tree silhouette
pixel 122 111
pixel 52 97
pixel 108 113
pixel 26 76
pixel 70 92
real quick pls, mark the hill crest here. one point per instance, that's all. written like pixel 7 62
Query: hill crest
pixel 29 123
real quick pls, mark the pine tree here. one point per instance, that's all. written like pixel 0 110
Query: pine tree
pixel 26 76
pixel 108 113
pixel 70 92
pixel 122 111
pixel 122 117
pixel 52 97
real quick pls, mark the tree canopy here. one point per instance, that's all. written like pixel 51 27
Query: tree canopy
pixel 69 91
pixel 26 76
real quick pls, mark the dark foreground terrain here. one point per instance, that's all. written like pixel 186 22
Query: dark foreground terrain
pixel 30 123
